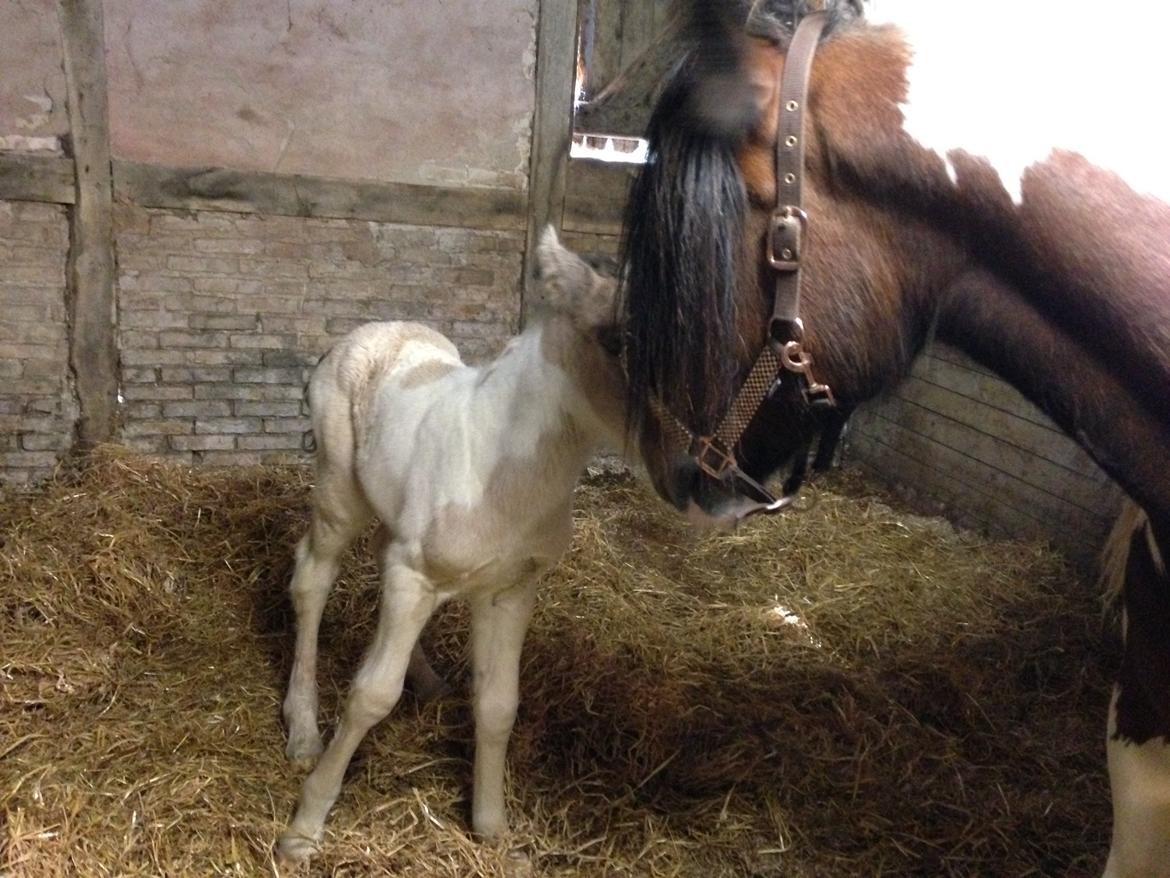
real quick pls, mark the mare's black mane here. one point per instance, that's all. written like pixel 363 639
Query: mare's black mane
pixel 681 244
pixel 776 19
pixel 684 223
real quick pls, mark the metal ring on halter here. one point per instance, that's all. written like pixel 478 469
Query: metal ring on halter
pixel 794 359
pixel 778 505
pixel 790 502
pixel 782 330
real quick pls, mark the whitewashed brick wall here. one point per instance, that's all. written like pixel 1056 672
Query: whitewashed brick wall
pixel 221 316
pixel 37 413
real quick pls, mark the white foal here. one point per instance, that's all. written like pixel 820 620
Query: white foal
pixel 471 473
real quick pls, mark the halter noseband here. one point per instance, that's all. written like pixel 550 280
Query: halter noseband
pixel 783 353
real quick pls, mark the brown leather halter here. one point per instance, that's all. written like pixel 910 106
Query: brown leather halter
pixel 783 354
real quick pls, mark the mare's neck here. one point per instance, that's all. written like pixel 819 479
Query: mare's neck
pixel 1084 249
pixel 1080 391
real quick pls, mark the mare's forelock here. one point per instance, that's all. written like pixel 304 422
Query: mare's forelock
pixel 681 245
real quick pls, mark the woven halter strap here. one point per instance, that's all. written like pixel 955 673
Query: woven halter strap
pixel 783 353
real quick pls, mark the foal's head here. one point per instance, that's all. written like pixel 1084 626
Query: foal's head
pixel 581 330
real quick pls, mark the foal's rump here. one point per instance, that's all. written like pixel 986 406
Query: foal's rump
pixel 348 378
pixel 375 352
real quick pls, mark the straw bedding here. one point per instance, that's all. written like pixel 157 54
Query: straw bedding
pixel 849 692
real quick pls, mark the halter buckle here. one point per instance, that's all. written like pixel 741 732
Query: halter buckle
pixel 785 236
pixel 711 457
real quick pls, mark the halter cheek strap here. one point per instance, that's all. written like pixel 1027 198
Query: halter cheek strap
pixel 783 353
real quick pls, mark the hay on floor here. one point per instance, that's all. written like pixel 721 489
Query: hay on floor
pixel 851 691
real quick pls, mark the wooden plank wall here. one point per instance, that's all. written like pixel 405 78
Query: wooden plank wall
pixel 613 34
pixel 955 439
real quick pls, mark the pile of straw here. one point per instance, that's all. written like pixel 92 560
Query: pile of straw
pixel 848 692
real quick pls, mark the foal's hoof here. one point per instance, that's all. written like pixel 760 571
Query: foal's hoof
pixel 303 749
pixel 518 864
pixel 293 848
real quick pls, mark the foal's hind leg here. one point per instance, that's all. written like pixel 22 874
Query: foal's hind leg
pixel 407 602
pixel 340 512
pixel 426 684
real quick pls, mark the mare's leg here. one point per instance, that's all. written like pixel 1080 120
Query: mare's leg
pixel 1139 775
pixel 498 625
pixel 340 512
pixel 407 603
pixel 1138 744
pixel 830 439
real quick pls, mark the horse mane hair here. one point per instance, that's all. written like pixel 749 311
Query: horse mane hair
pixel 684 221
pixel 716 32
pixel 682 240
pixel 777 19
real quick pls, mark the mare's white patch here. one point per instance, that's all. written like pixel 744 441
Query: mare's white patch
pixel 1139 775
pixel 1012 81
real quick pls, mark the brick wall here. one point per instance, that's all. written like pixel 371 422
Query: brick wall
pixel 37 413
pixel 221 316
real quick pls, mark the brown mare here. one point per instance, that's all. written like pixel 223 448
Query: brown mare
pixel 1056 277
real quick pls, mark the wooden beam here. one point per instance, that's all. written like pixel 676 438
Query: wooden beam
pixel 604 60
pixel 552 128
pixel 595 196
pixel 664 13
pixel 30 177
pixel 298 195
pixel 624 103
pixel 52 179
pixel 90 270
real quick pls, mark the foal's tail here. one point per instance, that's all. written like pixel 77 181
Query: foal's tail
pixel 308 439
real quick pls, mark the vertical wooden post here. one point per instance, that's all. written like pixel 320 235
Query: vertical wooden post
pixel 605 59
pixel 552 128
pixel 90 271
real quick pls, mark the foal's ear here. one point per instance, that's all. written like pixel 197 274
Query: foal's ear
pixel 560 270
pixel 570 285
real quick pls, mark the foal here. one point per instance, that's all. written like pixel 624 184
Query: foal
pixel 471 473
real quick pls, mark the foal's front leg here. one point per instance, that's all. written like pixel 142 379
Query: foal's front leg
pixel 498 625
pixel 407 602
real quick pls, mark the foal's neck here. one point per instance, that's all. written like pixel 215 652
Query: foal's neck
pixel 531 395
